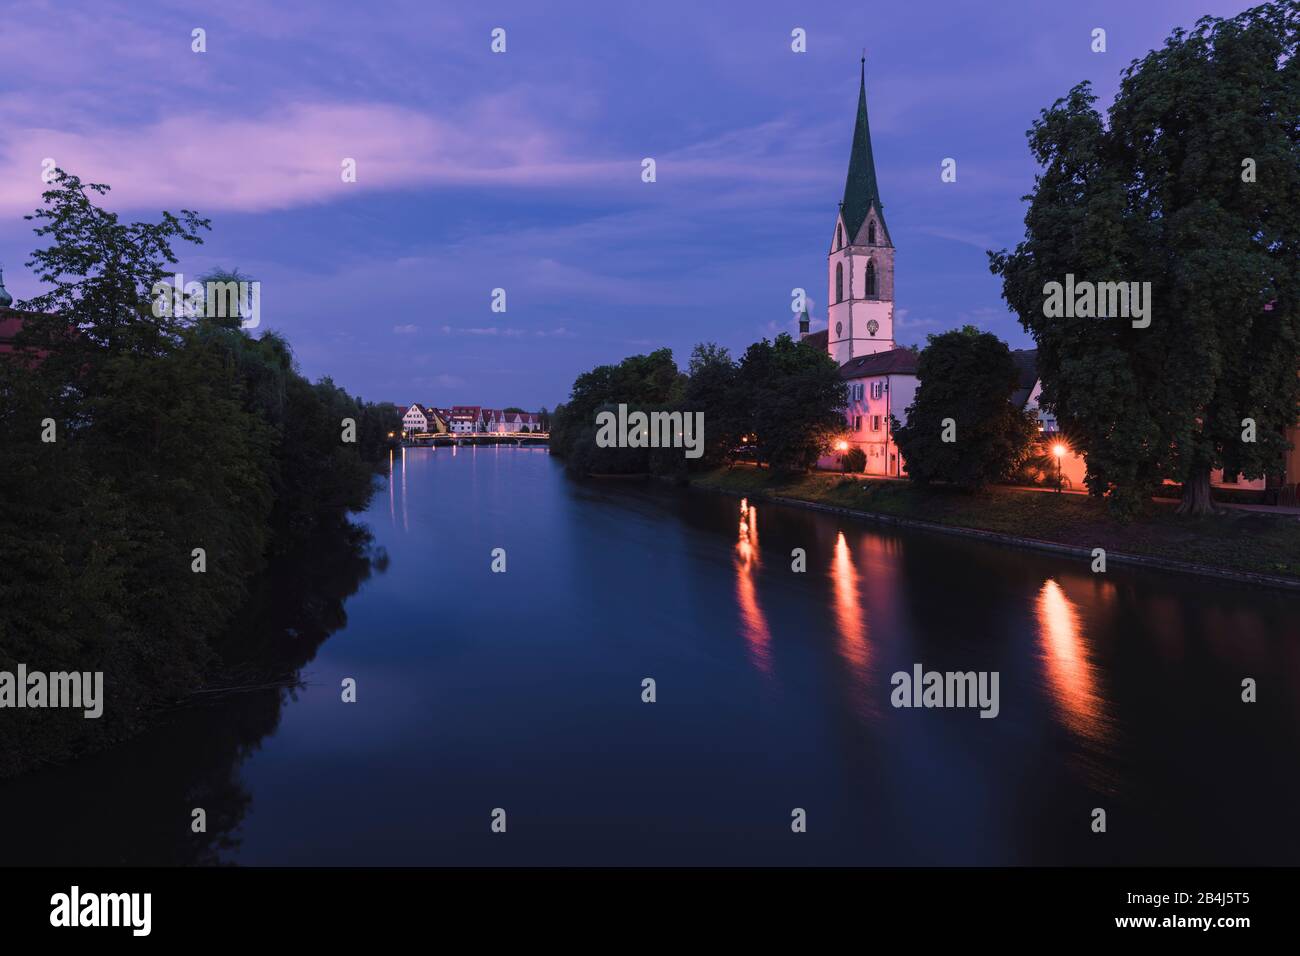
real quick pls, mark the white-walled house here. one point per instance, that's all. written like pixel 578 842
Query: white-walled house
pixel 414 419
pixel 423 419
pixel 465 419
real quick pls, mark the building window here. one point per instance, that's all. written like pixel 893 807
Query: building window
pixel 839 282
pixel 871 280
pixel 857 423
pixel 875 423
pixel 877 389
pixel 871 233
pixel 839 237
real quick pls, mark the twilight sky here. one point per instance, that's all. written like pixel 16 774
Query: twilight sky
pixel 522 170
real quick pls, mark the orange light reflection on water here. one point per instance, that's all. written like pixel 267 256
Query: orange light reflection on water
pixel 848 608
pixel 752 619
pixel 1071 677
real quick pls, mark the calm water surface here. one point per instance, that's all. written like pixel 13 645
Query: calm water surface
pixel 522 691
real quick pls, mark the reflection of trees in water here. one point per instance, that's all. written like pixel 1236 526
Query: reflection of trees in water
pixel 132 804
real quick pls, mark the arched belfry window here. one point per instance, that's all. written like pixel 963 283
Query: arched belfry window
pixel 839 282
pixel 871 233
pixel 871 280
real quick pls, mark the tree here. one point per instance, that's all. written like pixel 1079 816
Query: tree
pixel 222 276
pixel 962 427
pixel 185 453
pixel 794 401
pixel 1193 186
pixel 103 272
pixel 641 382
pixel 712 390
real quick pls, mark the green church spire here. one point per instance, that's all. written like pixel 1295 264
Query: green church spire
pixel 860 189
pixel 6 299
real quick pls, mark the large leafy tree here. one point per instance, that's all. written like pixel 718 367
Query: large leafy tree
pixel 130 439
pixel 1192 183
pixel 101 272
pixel 713 391
pixel 794 401
pixel 962 427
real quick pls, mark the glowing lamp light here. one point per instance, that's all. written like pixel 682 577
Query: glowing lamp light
pixel 841 446
pixel 1059 450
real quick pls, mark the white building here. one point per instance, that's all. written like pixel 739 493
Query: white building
pixel 414 419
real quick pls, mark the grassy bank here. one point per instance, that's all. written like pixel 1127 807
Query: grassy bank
pixel 1235 541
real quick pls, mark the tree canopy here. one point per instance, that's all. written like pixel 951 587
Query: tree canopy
pixel 151 465
pixel 1192 184
pixel 962 426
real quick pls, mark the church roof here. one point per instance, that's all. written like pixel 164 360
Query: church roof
pixel 1027 366
pixel 818 340
pixel 860 189
pixel 899 361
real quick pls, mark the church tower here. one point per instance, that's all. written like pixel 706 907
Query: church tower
pixel 861 261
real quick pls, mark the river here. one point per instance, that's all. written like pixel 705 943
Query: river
pixel 523 691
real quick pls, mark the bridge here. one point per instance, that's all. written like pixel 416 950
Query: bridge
pixel 477 438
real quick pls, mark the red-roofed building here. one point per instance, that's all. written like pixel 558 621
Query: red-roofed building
pixel 11 323
pixel 465 419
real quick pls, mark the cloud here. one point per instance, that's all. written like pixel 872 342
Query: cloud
pixel 405 329
pixel 290 156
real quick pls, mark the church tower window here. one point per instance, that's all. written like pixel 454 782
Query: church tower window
pixel 839 282
pixel 871 280
pixel 839 237
pixel 871 233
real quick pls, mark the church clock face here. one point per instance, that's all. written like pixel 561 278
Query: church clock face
pixel 872 326
pixel 839 328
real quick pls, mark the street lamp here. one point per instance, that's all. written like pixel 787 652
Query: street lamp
pixel 841 446
pixel 1059 450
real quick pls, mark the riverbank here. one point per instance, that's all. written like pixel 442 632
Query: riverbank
pixel 1241 545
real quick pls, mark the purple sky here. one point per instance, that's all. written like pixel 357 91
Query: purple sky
pixel 523 170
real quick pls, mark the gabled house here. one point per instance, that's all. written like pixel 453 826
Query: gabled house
pixel 436 421
pixel 523 422
pixel 414 419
